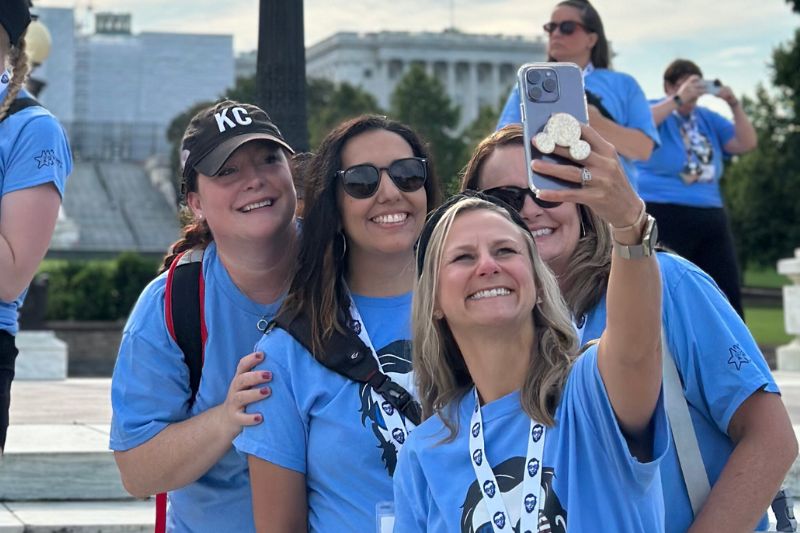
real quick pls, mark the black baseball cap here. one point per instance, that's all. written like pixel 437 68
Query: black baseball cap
pixel 15 17
pixel 215 133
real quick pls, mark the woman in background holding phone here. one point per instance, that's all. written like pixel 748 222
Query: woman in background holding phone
pixel 680 182
pixel 618 109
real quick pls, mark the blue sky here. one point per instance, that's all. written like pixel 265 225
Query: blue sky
pixel 730 39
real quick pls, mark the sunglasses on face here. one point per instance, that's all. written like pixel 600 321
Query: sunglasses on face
pixel 515 197
pixel 363 181
pixel 567 27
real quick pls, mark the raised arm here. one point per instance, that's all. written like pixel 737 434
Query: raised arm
pixel 629 142
pixel 183 451
pixel 629 354
pixel 746 138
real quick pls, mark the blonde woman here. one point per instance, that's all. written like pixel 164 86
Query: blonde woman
pixel 35 161
pixel 520 433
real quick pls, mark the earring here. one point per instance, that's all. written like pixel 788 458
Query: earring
pixel 438 315
pixel 199 217
pixel 344 245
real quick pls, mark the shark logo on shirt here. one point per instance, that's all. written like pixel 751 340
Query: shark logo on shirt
pixel 395 361
pixel 738 357
pixel 509 474
pixel 47 159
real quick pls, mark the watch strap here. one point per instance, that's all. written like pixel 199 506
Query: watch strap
pixel 677 100
pixel 645 248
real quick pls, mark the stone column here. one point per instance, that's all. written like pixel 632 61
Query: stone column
pixel 470 110
pixel 789 356
pixel 497 86
pixel 451 81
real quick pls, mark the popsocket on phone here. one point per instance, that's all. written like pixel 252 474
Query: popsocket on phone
pixel 563 130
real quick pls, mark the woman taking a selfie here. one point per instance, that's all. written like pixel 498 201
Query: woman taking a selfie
pixel 618 109
pixel 326 459
pixel 35 161
pixel 517 424
pixel 737 415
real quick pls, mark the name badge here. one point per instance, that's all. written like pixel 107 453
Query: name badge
pixel 385 517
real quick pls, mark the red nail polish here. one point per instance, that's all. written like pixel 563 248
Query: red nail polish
pixel 266 375
pixel 259 355
pixel 258 418
pixel 265 391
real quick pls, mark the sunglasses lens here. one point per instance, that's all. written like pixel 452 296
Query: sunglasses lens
pixel 550 27
pixel 408 174
pixel 515 197
pixel 545 204
pixel 361 181
pixel 567 27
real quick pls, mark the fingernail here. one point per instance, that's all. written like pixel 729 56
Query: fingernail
pixel 259 355
pixel 265 391
pixel 258 418
pixel 266 375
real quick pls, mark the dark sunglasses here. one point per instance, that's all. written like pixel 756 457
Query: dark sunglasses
pixel 515 197
pixel 362 181
pixel 567 27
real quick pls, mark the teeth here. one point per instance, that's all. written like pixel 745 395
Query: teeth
pixel 250 207
pixel 543 231
pixel 490 293
pixel 390 219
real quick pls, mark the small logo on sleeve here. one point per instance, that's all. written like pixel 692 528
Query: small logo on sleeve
pixel 4 79
pixel 48 159
pixel 738 357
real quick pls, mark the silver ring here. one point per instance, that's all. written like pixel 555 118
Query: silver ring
pixel 586 176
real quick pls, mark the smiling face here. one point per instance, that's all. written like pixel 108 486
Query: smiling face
pixel 555 230
pixel 252 196
pixel 485 276
pixel 576 47
pixel 389 222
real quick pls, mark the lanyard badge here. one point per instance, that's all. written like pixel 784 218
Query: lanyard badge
pixel 501 521
pixel 397 427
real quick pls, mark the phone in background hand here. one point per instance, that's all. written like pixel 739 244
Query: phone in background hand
pixel 712 86
pixel 546 89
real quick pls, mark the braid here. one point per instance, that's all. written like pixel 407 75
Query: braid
pixel 196 234
pixel 19 73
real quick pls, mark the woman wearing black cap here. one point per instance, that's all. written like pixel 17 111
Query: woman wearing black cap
pixel 35 161
pixel 166 436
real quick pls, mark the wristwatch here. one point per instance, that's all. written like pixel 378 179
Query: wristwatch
pixel 645 249
pixel 677 100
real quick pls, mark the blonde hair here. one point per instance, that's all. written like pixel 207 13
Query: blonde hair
pixel 19 72
pixel 441 373
pixel 586 277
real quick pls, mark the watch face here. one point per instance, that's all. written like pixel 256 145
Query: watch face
pixel 652 237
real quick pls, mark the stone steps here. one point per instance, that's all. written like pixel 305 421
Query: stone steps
pixel 78 517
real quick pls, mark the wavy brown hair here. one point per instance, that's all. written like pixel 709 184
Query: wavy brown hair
pixel 586 279
pixel 18 63
pixel 442 376
pixel 318 290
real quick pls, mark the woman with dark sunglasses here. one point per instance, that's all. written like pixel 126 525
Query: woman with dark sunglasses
pixel 326 459
pixel 737 414
pixel 618 109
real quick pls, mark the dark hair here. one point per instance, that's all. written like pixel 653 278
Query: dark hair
pixel 318 290
pixel 679 69
pixel 601 52
pixel 590 264
pixel 299 164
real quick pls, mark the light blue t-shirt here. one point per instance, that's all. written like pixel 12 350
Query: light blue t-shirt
pixel 622 97
pixel 150 390
pixel 720 366
pixel 33 151
pixel 325 426
pixel 591 481
pixel 659 176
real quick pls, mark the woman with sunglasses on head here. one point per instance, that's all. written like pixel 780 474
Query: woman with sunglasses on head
pixel 521 433
pixel 618 109
pixel 166 435
pixel 737 415
pixel 327 457
pixel 35 161
pixel 680 183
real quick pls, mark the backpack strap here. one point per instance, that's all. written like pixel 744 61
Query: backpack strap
pixel 596 101
pixel 19 104
pixel 347 355
pixel 187 326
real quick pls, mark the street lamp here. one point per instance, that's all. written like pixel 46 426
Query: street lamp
pixel 37 47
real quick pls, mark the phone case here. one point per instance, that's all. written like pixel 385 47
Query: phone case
pixel 571 99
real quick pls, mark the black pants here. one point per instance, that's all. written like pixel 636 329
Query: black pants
pixel 8 355
pixel 703 236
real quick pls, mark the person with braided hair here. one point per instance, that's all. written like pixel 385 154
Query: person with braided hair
pixel 35 161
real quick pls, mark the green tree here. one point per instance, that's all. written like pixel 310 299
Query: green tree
pixel 762 187
pixel 421 101
pixel 329 104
